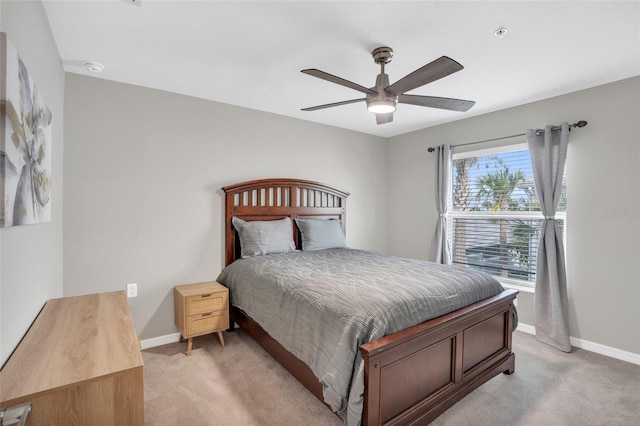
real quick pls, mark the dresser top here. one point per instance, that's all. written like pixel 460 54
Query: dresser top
pixel 73 339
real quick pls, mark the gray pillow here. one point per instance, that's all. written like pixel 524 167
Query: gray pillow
pixel 321 234
pixel 264 237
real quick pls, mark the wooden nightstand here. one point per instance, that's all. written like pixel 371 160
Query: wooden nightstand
pixel 200 309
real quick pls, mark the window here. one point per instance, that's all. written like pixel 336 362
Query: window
pixel 495 215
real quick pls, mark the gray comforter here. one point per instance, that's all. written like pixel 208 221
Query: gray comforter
pixel 322 305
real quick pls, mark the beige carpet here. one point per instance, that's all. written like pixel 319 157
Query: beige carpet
pixel 241 385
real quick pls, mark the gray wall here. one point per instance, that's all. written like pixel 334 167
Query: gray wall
pixel 143 172
pixel 603 192
pixel 143 168
pixel 31 256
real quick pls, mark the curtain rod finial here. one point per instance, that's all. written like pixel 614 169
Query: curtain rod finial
pixel 431 149
pixel 581 123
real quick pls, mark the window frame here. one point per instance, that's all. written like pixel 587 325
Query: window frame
pixel 522 285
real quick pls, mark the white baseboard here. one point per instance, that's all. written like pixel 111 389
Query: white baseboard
pixel 159 341
pixel 606 350
pixel 591 346
pixel 526 328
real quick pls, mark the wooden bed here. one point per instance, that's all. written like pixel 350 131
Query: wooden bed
pixel 412 376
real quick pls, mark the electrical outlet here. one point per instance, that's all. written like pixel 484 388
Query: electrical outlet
pixel 132 290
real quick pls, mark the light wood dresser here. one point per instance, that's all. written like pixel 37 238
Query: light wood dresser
pixel 200 309
pixel 79 364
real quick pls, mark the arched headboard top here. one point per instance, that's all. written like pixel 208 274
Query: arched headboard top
pixel 283 182
pixel 276 198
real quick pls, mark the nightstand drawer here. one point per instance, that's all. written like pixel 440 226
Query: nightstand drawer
pixel 205 303
pixel 206 323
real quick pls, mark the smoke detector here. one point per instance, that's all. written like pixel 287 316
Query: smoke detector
pixel 95 67
pixel 500 32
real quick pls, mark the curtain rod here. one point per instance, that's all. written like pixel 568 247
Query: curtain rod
pixel 580 123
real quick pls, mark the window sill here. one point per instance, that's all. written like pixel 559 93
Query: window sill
pixel 519 287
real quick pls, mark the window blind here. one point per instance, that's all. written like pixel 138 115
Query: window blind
pixel 495 214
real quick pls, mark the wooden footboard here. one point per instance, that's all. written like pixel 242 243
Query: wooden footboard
pixel 413 376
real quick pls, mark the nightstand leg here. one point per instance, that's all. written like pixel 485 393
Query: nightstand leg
pixel 181 339
pixel 221 338
pixel 189 346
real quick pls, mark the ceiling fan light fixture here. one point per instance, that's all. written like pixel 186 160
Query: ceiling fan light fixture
pixel 381 106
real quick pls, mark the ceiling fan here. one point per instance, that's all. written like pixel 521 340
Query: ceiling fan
pixel 383 97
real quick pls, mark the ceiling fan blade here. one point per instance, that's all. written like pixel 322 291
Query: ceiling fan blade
pixel 382 118
pixel 337 80
pixel 436 102
pixel 433 71
pixel 352 101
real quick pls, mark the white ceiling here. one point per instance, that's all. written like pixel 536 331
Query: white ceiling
pixel 250 53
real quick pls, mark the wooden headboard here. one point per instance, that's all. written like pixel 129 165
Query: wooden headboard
pixel 271 199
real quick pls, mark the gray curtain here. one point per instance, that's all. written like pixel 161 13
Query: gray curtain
pixel 548 154
pixel 440 251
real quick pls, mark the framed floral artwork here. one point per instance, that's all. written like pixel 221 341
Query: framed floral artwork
pixel 25 144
